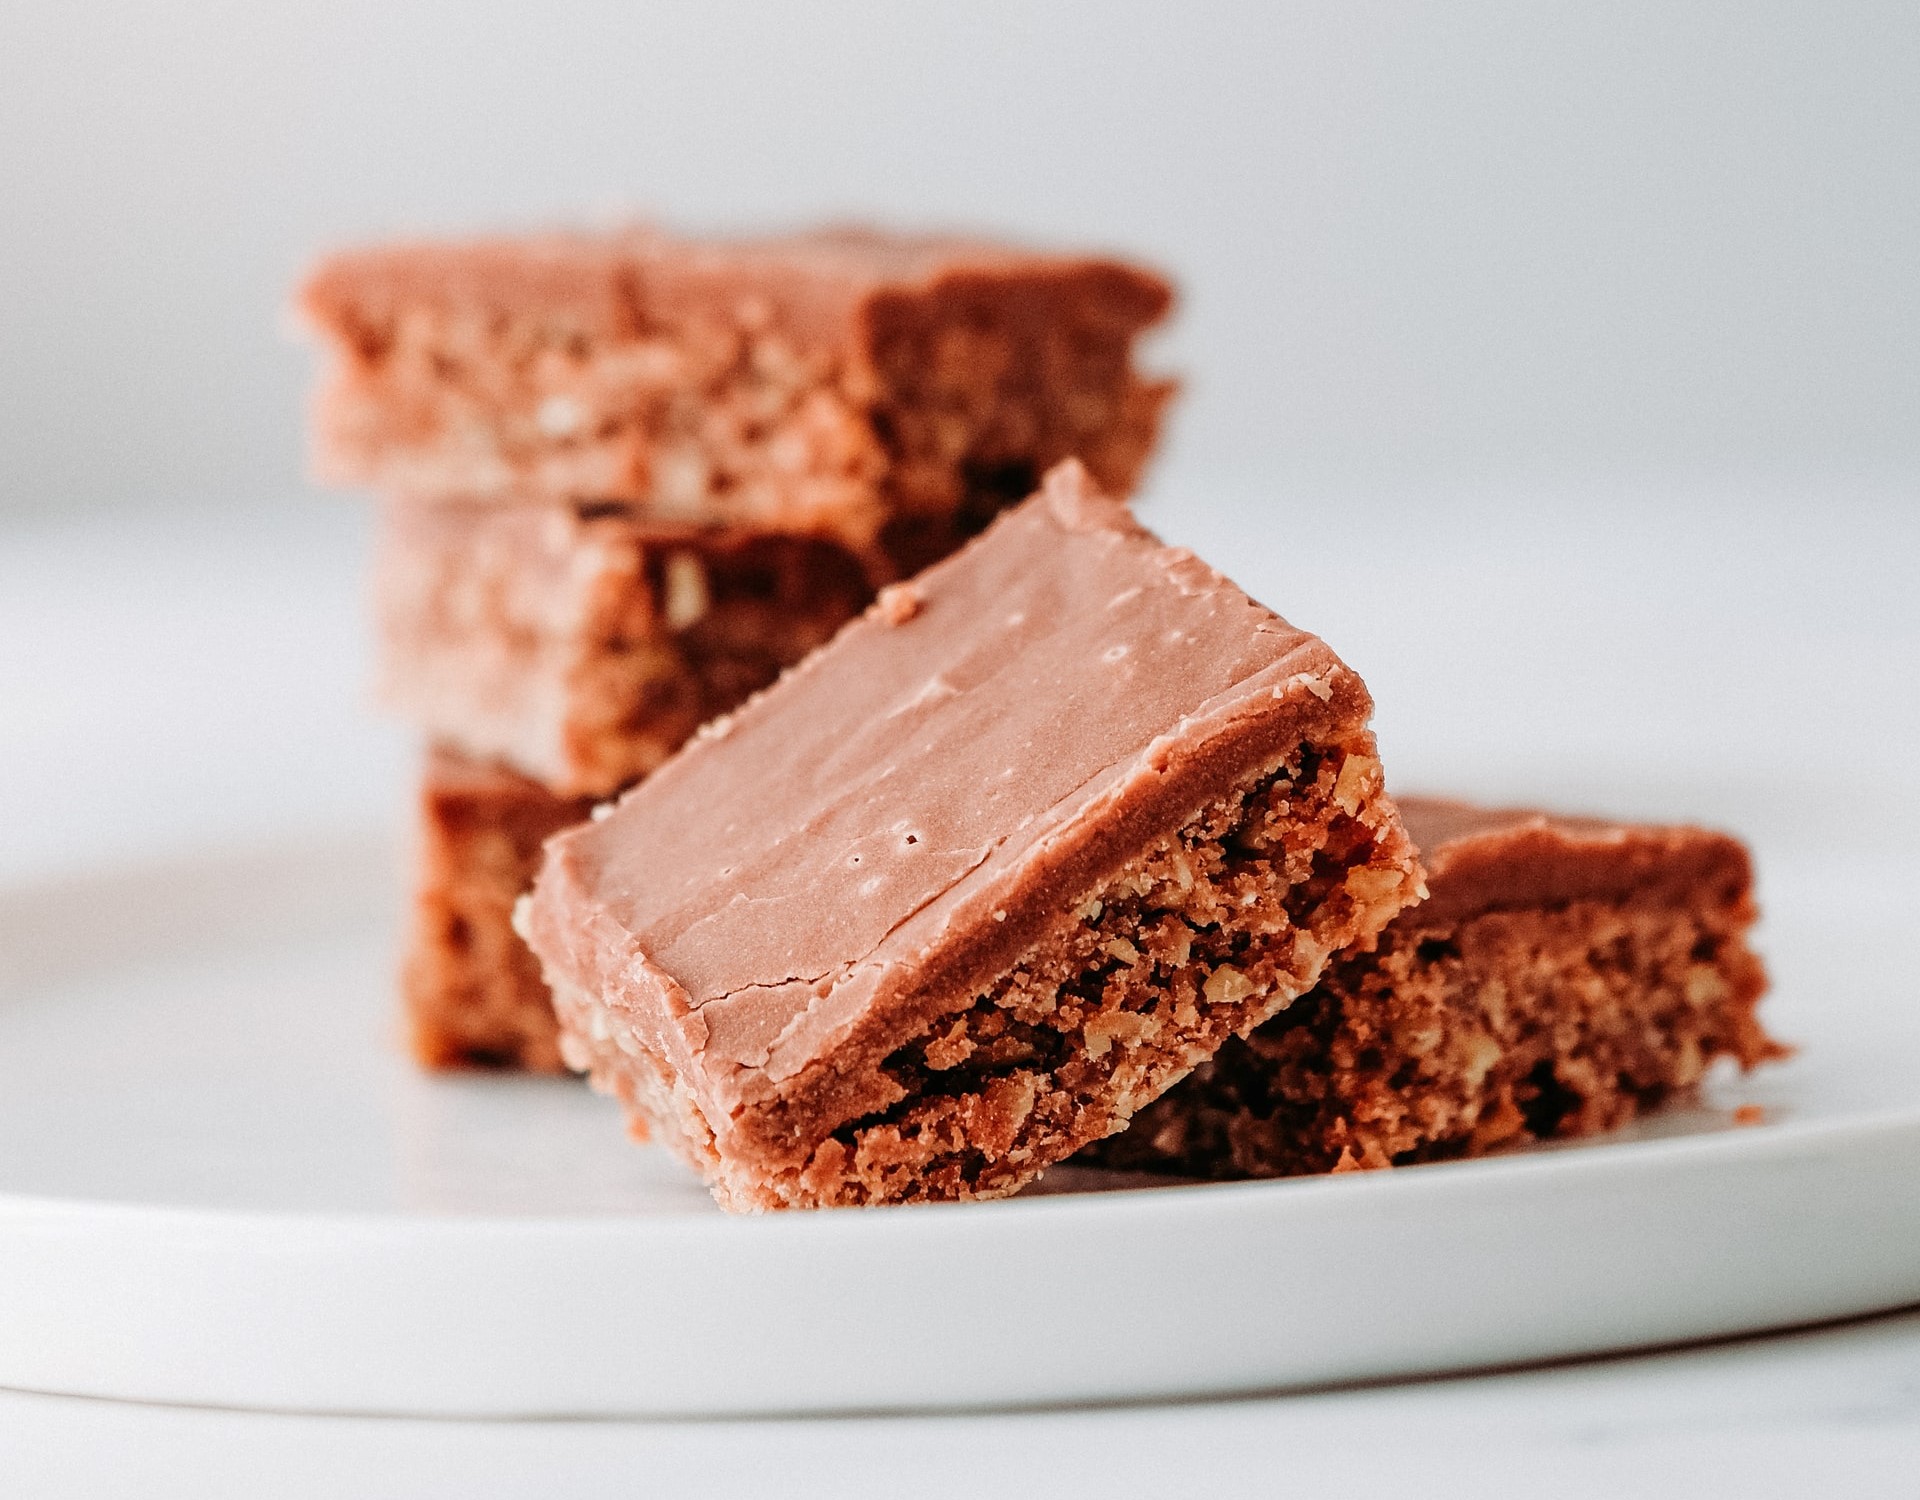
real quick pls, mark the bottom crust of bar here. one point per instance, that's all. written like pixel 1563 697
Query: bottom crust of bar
pixel 1212 930
pixel 473 993
pixel 1508 1027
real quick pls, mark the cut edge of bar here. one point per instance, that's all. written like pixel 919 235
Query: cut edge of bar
pixel 1135 1020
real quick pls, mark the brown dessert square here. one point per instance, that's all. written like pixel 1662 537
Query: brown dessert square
pixel 583 648
pixel 980 878
pixel 1564 975
pixel 852 384
pixel 473 993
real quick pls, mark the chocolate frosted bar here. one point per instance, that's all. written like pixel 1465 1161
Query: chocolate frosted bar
pixel 980 878
pixel 473 993
pixel 630 478
pixel 1564 975
pixel 582 650
pixel 891 392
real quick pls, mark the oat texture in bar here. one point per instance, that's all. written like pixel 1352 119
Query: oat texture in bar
pixel 978 880
pixel 886 390
pixel 583 649
pixel 473 993
pixel 1566 975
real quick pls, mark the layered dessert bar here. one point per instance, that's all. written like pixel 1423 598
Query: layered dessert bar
pixel 888 391
pixel 1564 975
pixel 585 649
pixel 978 880
pixel 629 478
pixel 582 648
pixel 472 993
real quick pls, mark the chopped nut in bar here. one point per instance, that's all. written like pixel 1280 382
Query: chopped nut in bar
pixel 583 649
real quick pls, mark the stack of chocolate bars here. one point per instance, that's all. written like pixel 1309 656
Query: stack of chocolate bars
pixel 628 479
pixel 1051 843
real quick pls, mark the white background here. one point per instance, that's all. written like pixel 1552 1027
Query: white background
pixel 1422 241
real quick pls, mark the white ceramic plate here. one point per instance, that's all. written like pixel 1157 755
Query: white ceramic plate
pixel 220 1182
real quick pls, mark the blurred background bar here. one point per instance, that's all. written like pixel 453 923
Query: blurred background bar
pixel 1425 243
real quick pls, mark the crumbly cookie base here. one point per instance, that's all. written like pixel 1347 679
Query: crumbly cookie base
pixel 471 989
pixel 966 395
pixel 1213 929
pixel 593 682
pixel 1506 1028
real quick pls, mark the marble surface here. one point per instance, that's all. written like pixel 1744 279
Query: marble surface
pixel 174 684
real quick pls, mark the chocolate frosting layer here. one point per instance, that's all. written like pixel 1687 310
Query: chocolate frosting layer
pixel 1482 859
pixel 915 783
pixel 622 282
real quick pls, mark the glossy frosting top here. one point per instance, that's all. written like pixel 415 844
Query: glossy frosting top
pixel 1481 859
pixel 914 777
